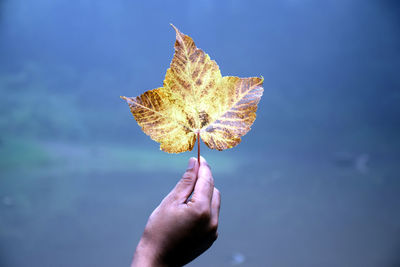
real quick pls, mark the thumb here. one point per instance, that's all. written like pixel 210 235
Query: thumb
pixel 185 186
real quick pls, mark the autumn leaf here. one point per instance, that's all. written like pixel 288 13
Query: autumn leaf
pixel 196 101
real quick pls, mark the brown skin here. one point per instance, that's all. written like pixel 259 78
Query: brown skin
pixel 182 227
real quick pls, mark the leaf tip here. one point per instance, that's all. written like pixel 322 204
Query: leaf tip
pixel 173 26
pixel 179 35
pixel 127 99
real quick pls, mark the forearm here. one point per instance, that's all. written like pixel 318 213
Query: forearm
pixel 146 256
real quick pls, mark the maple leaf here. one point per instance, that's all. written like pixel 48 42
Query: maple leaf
pixel 197 102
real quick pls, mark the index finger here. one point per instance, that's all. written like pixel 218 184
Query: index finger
pixel 203 190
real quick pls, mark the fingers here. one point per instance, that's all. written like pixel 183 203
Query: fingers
pixel 203 190
pixel 215 206
pixel 185 186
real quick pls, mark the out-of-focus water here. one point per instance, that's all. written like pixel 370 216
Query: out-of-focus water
pixel 314 183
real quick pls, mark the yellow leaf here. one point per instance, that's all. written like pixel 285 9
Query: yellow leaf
pixel 196 99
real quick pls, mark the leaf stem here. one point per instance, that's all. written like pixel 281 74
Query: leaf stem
pixel 198 147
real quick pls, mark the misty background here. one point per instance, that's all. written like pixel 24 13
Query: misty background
pixel 314 183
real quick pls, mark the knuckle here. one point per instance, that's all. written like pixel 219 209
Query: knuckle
pixel 213 227
pixel 210 181
pixel 187 178
pixel 215 235
pixel 202 213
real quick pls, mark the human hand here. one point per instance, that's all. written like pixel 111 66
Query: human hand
pixel 182 227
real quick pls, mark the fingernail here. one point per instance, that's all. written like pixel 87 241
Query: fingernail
pixel 191 164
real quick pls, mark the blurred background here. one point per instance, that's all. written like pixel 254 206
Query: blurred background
pixel 314 183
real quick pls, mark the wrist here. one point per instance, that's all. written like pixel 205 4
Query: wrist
pixel 146 255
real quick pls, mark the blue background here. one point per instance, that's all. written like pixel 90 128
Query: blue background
pixel 314 183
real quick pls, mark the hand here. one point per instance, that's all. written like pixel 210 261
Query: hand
pixel 182 227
